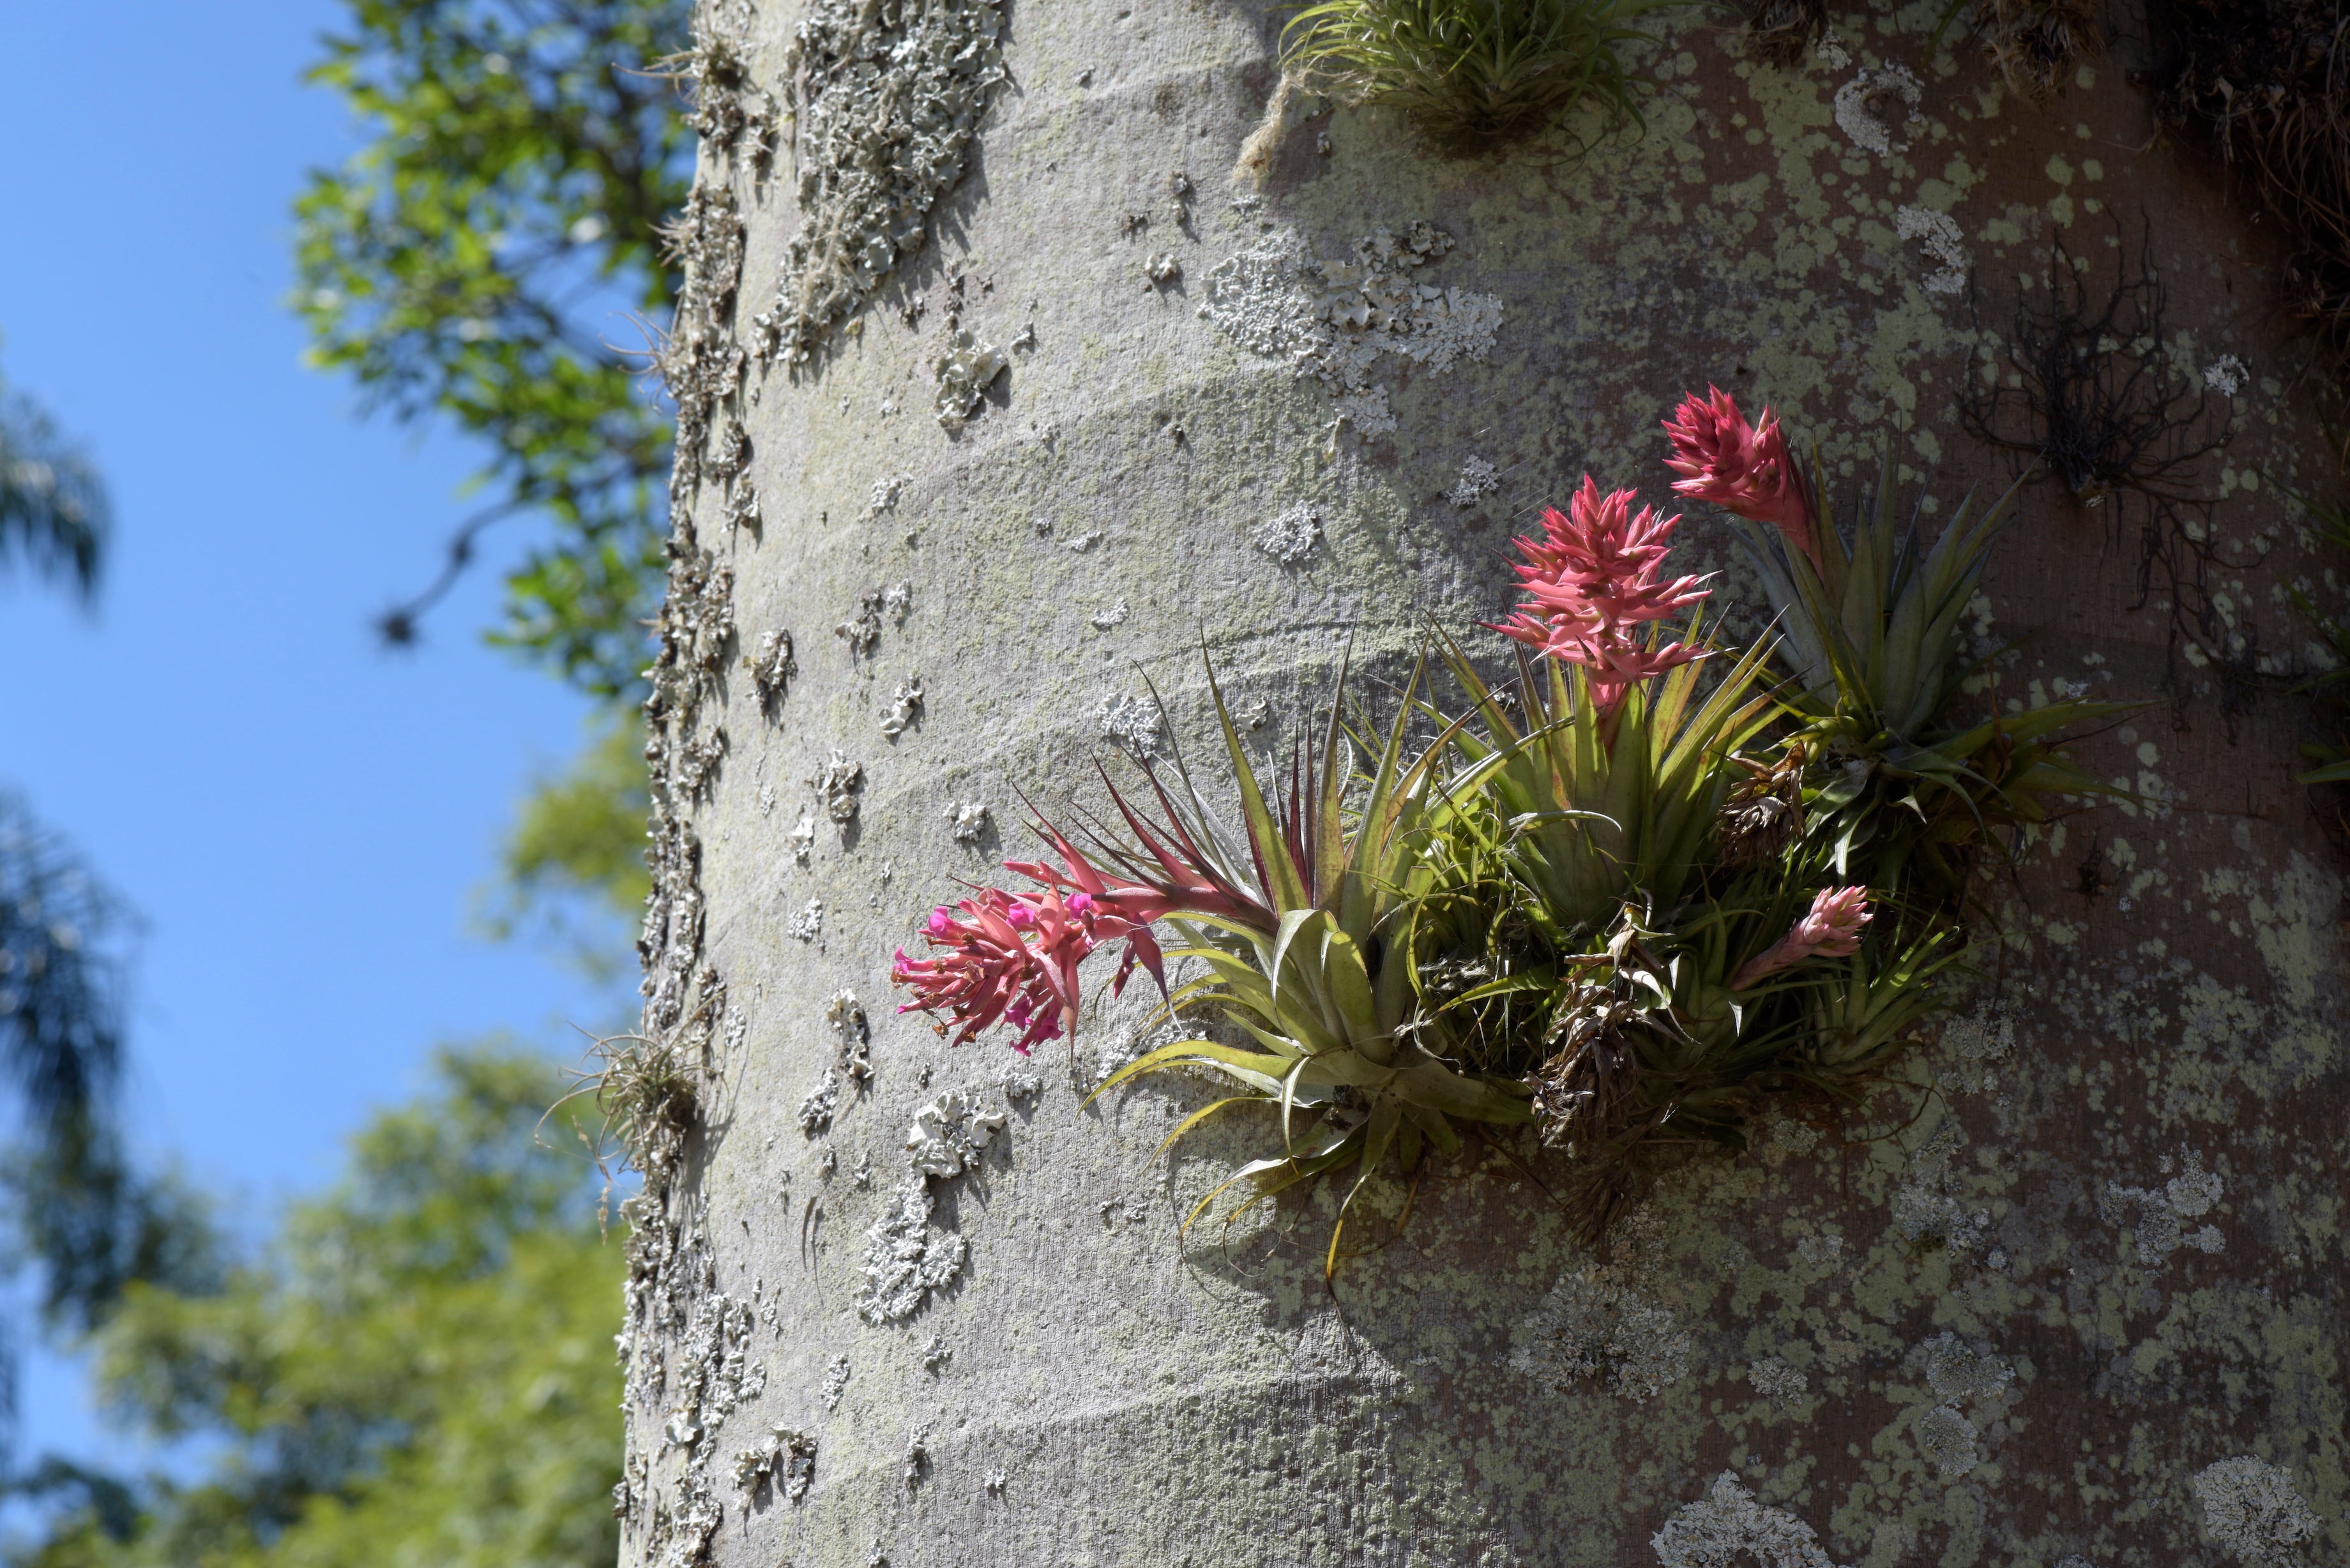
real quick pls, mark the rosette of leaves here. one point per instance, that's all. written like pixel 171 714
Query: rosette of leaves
pixel 1470 71
pixel 1319 970
pixel 1621 934
pixel 1872 631
pixel 1599 803
pixel 1584 903
pixel 1657 1042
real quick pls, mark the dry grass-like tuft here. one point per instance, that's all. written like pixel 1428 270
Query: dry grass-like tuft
pixel 1472 72
pixel 2036 43
pixel 2267 82
pixel 2088 389
pixel 1785 31
pixel 647 1095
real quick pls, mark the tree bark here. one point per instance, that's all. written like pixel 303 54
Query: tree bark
pixel 2071 1289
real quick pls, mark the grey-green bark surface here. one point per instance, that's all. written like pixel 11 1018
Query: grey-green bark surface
pixel 2074 1291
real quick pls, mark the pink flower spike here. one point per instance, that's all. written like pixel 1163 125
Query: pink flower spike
pixel 1830 929
pixel 1013 957
pixel 1742 468
pixel 1591 581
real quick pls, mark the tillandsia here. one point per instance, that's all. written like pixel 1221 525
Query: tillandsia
pixel 1591 583
pixel 1872 629
pixel 1472 72
pixel 1661 884
pixel 1303 923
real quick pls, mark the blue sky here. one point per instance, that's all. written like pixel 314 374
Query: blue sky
pixel 299 816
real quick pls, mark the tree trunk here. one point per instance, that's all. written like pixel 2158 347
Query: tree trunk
pixel 2070 1290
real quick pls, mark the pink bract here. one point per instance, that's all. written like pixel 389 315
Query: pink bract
pixel 1591 581
pixel 1743 468
pixel 1830 928
pixel 1013 957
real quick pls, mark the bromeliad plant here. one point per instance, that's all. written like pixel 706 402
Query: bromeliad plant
pixel 1470 72
pixel 1873 632
pixel 1304 924
pixel 1650 886
pixel 1642 855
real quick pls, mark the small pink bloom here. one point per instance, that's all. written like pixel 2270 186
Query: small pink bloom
pixel 1830 929
pixel 1013 957
pixel 1743 468
pixel 1591 581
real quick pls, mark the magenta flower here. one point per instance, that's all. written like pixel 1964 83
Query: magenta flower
pixel 1591 581
pixel 1013 957
pixel 1745 468
pixel 1830 929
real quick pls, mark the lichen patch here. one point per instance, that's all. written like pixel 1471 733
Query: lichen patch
pixel 1292 537
pixel 1876 105
pixel 1334 321
pixel 951 1134
pixel 885 102
pixel 1937 233
pixel 904 1258
pixel 2253 1510
pixel 1727 1527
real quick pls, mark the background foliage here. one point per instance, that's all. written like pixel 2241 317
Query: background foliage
pixel 418 1370
pixel 79 1216
pixel 482 261
pixel 417 1367
pixel 573 864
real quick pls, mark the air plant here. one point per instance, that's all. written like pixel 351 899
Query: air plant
pixel 1831 927
pixel 1591 582
pixel 2263 87
pixel 1303 922
pixel 1470 71
pixel 2037 44
pixel 1651 967
pixel 1671 1033
pixel 1594 805
pixel 2092 399
pixel 1785 31
pixel 1618 903
pixel 2034 44
pixel 1872 633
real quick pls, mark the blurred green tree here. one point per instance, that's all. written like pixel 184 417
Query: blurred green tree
pixel 484 259
pixel 417 1371
pixel 81 1214
pixel 573 862
pixel 53 509
pixel 477 260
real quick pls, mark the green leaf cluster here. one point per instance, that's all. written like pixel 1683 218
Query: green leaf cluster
pixel 1552 910
pixel 54 514
pixel 573 861
pixel 1472 71
pixel 1874 631
pixel 419 1371
pixel 481 259
pixel 1325 990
